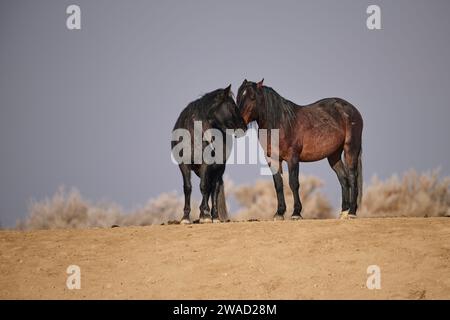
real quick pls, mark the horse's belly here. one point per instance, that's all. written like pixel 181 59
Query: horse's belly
pixel 320 145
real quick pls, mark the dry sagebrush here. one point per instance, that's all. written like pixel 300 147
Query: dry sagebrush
pixel 70 210
pixel 416 195
pixel 259 201
pixel 413 195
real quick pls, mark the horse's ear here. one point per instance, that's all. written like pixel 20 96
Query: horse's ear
pixel 227 90
pixel 245 81
pixel 260 84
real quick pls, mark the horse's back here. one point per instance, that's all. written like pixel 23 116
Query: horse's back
pixel 324 126
pixel 334 111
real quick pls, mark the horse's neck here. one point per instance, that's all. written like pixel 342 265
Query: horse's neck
pixel 261 123
pixel 261 118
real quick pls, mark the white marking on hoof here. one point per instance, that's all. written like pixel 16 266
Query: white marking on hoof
pixel 185 221
pixel 206 220
pixel 295 218
pixel 217 221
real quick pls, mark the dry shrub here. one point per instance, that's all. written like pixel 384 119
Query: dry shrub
pixel 68 210
pixel 164 208
pixel 414 195
pixel 259 201
pixel 63 210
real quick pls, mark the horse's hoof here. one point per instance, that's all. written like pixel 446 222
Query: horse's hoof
pixel 278 217
pixel 296 217
pixel 185 221
pixel 206 220
pixel 216 219
pixel 345 215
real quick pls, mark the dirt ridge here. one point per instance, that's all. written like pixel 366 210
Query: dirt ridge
pixel 309 259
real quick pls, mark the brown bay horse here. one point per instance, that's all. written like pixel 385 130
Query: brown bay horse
pixel 324 129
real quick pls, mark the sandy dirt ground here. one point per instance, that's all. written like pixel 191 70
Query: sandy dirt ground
pixel 309 259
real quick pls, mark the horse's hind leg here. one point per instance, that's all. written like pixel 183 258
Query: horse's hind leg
pixel 338 167
pixel 295 186
pixel 187 188
pixel 351 155
pixel 205 189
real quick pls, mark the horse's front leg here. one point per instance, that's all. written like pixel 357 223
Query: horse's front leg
pixel 214 195
pixel 205 189
pixel 295 186
pixel 187 188
pixel 278 182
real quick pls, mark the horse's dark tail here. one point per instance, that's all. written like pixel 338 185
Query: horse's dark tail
pixel 359 179
pixel 221 204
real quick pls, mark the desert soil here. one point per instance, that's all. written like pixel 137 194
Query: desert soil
pixel 309 259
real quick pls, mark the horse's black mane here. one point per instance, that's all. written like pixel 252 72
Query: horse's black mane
pixel 277 111
pixel 197 109
pixel 202 104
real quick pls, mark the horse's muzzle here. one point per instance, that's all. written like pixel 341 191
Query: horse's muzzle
pixel 240 132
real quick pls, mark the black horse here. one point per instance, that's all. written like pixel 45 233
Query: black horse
pixel 323 129
pixel 209 116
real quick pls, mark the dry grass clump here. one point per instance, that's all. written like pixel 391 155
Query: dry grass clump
pixel 413 195
pixel 259 201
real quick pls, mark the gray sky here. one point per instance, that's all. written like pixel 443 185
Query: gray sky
pixel 94 108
